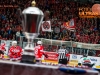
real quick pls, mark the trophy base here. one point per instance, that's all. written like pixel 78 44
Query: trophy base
pixel 28 59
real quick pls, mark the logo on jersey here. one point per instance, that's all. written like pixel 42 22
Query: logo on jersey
pixel 15 50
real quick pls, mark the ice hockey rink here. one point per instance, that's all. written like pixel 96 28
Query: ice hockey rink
pixel 16 68
pixel 8 67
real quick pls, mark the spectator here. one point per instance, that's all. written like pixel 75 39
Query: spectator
pixel 90 53
pixel 17 35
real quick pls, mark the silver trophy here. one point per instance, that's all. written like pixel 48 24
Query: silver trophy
pixel 32 18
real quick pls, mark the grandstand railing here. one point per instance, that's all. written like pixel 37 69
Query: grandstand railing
pixel 72 47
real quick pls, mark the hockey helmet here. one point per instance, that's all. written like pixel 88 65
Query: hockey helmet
pixel 14 42
pixel 63 45
pixel 84 55
pixel 39 42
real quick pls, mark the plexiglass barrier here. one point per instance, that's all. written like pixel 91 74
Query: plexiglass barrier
pixel 54 45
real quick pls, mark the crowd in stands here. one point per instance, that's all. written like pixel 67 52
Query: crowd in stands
pixel 86 30
pixel 60 11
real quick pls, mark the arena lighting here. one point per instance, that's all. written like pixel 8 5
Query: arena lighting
pixel 31 20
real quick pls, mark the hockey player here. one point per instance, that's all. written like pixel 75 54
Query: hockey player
pixel 38 51
pixel 85 61
pixel 2 49
pixel 63 56
pixel 15 51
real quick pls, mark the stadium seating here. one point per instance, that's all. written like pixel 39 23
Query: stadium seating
pixel 60 11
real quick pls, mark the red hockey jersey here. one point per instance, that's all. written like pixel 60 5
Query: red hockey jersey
pixel 2 47
pixel 15 52
pixel 38 51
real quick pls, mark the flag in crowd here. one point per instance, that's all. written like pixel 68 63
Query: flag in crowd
pixel 70 25
pixel 46 26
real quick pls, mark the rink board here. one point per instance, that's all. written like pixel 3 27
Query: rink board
pixel 16 68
